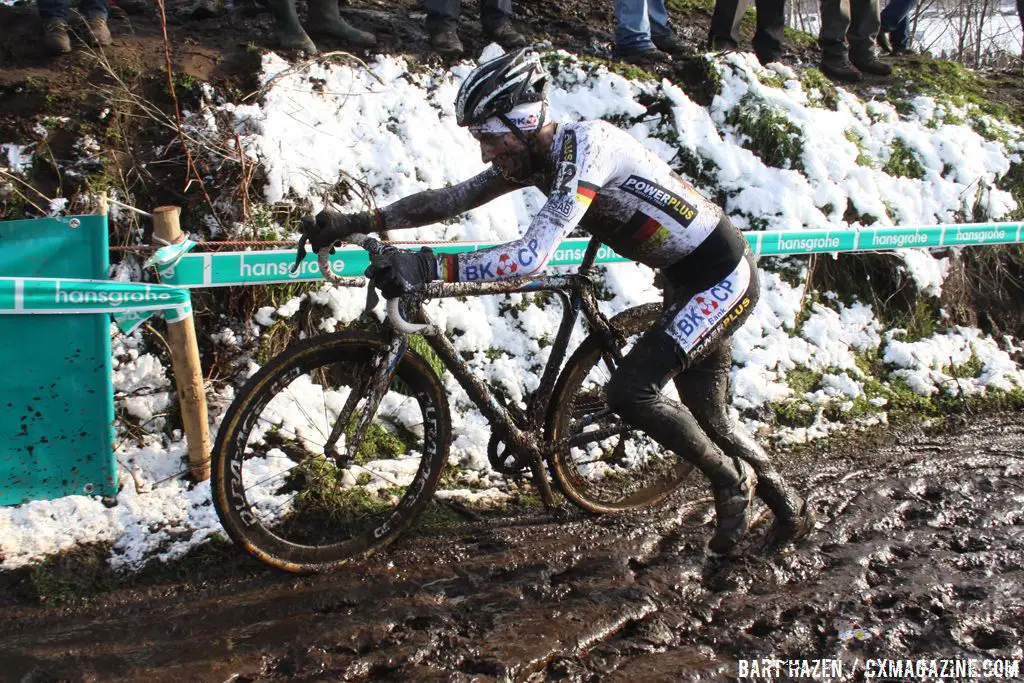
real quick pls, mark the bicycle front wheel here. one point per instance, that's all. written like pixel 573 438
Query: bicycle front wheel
pixel 285 500
pixel 608 466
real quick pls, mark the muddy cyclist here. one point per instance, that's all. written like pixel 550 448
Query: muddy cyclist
pixel 600 179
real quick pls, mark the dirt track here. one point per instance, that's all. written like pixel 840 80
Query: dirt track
pixel 921 546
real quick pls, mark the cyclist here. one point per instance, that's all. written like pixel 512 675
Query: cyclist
pixel 600 179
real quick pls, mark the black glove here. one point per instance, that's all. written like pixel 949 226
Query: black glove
pixel 329 226
pixel 397 271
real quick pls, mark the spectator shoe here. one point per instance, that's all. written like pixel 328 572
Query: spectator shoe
pixel 325 18
pixel 723 44
pixel 883 42
pixel 870 64
pixel 840 69
pixel 672 45
pixel 642 57
pixel 99 34
pixel 446 41
pixel 506 36
pixel 55 37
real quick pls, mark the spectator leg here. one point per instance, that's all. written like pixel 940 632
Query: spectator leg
pixel 494 14
pixel 864 21
pixel 725 20
pixel 441 14
pixel 657 15
pixel 52 10
pixel 94 8
pixel 835 21
pixel 771 22
pixel 632 27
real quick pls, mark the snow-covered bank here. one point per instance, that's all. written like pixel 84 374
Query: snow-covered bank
pixel 395 131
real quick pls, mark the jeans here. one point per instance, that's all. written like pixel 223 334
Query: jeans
pixel 444 14
pixel 52 10
pixel 896 21
pixel 636 21
pixel 852 21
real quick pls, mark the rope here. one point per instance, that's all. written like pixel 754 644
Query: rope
pixel 262 243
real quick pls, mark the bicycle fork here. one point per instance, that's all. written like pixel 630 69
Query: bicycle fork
pixel 373 386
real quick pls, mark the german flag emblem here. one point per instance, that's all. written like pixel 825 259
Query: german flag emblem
pixel 585 193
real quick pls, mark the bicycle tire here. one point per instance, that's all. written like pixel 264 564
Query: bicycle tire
pixel 359 517
pixel 595 481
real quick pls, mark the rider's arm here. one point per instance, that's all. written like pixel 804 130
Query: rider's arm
pixel 580 174
pixel 431 206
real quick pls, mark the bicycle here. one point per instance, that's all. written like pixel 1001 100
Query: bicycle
pixel 306 494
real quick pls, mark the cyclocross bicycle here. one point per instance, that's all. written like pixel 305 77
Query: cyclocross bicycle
pixel 332 449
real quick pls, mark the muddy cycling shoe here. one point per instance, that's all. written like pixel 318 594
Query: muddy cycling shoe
pixel 785 531
pixel 732 509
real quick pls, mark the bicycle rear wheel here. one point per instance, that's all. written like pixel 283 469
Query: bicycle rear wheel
pixel 608 466
pixel 283 499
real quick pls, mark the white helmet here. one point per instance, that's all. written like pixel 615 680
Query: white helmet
pixel 498 86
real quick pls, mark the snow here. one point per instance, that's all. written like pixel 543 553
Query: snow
pixel 394 130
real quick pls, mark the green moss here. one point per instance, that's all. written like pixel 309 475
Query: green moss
pixel 1013 182
pixel 803 380
pixel 687 7
pixel 771 79
pixel 798 38
pixel 902 162
pixel 767 132
pixel 793 413
pixel 987 128
pixel 378 444
pixel 971 369
pixel 951 82
pixel 821 92
pixel 920 322
pixel 418 344
pixel 862 156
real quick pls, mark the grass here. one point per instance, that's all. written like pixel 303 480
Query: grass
pixel 1013 182
pixel 902 162
pixel 821 92
pixel 862 156
pixel 951 82
pixel 767 132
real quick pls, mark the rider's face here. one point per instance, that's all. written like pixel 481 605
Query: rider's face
pixel 507 152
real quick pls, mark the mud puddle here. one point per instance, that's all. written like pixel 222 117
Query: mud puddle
pixel 918 554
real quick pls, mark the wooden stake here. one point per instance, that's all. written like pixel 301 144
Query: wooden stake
pixel 188 375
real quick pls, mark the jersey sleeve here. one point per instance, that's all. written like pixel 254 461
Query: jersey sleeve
pixel 580 173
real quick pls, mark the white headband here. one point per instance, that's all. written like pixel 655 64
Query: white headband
pixel 526 117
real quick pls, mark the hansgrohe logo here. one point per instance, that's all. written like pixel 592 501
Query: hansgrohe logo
pixel 109 297
pixel 283 269
pixel 808 243
pixel 900 240
pixel 979 235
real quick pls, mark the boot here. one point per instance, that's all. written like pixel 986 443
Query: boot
pixel 290 34
pixel 446 41
pixel 325 18
pixel 670 44
pixel 55 37
pixel 99 34
pixel 642 57
pixel 870 64
pixel 506 36
pixel 733 489
pixel 839 68
pixel 883 42
pixel 790 530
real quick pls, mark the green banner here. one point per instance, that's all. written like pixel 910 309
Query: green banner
pixel 267 267
pixel 130 302
pixel 56 425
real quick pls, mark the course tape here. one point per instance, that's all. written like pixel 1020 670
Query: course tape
pixel 131 303
pixel 273 266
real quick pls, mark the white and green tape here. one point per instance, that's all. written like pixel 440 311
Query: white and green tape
pixel 131 303
pixel 267 267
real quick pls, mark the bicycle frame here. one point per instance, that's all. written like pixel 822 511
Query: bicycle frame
pixel 576 294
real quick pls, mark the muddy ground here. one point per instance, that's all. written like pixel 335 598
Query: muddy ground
pixel 918 553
